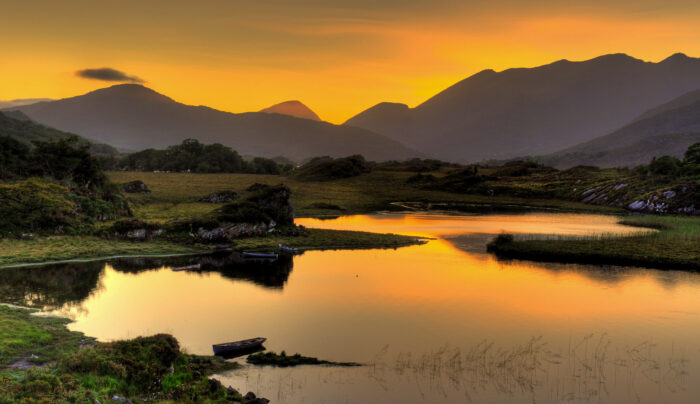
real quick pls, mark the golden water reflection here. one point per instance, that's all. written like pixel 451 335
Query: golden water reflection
pixel 354 305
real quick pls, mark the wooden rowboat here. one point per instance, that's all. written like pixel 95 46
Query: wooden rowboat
pixel 238 347
pixel 194 267
pixel 287 250
pixel 263 256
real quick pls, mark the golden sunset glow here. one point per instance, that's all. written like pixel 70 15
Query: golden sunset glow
pixel 338 57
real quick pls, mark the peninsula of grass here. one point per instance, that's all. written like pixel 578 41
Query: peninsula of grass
pixel 676 245
pixel 61 248
pixel 42 361
pixel 284 360
pixel 324 239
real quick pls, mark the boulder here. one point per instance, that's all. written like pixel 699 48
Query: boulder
pixel 136 187
pixel 135 230
pixel 220 197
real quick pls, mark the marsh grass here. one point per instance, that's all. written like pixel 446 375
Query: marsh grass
pixel 579 372
pixel 674 243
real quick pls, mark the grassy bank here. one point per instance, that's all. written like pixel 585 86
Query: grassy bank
pixel 62 248
pixel 676 245
pixel 58 248
pixel 41 361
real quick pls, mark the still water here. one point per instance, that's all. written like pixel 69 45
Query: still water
pixel 440 322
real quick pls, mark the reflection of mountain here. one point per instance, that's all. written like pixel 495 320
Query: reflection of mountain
pixel 271 274
pixel 49 287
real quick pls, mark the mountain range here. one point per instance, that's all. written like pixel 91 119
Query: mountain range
pixel 133 117
pixel 533 111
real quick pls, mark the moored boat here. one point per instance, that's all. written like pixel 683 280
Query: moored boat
pixel 238 347
pixel 194 267
pixel 288 250
pixel 254 255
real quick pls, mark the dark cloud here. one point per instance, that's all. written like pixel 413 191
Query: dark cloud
pixel 108 74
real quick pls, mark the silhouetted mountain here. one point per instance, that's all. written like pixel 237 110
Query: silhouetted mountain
pixel 25 131
pixel 664 130
pixel 19 102
pixel 293 108
pixel 18 115
pixel 134 117
pixel 529 111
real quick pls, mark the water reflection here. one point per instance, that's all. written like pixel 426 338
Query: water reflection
pixel 50 286
pixel 437 307
pixel 67 285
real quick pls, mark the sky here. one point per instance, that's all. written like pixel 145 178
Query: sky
pixel 339 57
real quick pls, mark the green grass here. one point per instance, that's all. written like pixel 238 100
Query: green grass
pixel 676 245
pixel 36 339
pixel 57 248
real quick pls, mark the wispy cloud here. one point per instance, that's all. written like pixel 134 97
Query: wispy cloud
pixel 108 74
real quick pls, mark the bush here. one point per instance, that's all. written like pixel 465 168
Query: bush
pixel 35 205
pixel 666 166
pixel 328 169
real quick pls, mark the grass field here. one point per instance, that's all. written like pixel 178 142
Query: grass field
pixel 676 245
pixel 41 361
pixel 175 195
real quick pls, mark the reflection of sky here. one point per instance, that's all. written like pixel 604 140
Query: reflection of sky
pixel 347 305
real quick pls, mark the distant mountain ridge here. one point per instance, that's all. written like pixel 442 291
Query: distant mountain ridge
pixel 664 130
pixel 533 111
pixel 293 108
pixel 21 101
pixel 25 131
pixel 131 116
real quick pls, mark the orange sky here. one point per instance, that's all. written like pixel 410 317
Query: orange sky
pixel 338 57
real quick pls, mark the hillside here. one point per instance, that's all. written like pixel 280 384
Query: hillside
pixel 665 130
pixel 293 108
pixel 531 111
pixel 134 117
pixel 26 131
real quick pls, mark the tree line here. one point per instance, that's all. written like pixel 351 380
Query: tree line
pixel 193 156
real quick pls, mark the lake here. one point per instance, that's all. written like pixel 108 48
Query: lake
pixel 439 322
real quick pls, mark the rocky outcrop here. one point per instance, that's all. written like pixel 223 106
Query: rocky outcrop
pixel 263 210
pixel 135 230
pixel 136 187
pixel 220 197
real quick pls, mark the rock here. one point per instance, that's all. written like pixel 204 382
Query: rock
pixel 619 186
pixel 135 230
pixel 136 187
pixel 636 205
pixel 220 197
pixel 249 396
pixel 27 236
pixel 669 194
pixel 231 390
pixel 230 231
pixel 588 198
pixel 122 400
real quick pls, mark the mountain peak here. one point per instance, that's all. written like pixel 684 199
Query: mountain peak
pixel 292 108
pixel 677 58
pixel 130 91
